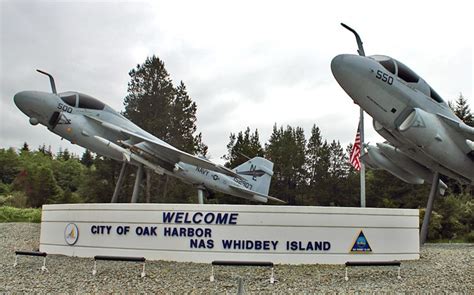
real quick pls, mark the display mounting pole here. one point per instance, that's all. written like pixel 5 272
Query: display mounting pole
pixel 362 165
pixel 429 208
pixel 361 52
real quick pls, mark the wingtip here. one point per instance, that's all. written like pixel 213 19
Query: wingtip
pixel 277 200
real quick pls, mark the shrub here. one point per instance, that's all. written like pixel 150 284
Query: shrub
pixel 470 237
pixel 11 214
pixel 435 227
pixel 16 199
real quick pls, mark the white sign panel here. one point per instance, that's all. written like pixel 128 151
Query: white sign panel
pixel 203 233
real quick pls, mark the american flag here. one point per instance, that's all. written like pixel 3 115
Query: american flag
pixel 355 153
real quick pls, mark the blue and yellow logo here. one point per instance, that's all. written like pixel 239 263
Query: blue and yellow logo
pixel 361 245
pixel 71 234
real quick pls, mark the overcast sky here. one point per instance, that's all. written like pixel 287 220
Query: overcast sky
pixel 245 63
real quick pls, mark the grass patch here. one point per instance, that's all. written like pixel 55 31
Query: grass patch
pixel 12 214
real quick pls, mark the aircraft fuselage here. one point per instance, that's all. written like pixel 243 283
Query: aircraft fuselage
pixel 406 111
pixel 70 121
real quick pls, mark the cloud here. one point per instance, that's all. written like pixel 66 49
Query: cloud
pixel 245 63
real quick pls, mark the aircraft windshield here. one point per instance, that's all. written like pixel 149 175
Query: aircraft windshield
pixel 406 74
pixel 88 102
pixel 435 95
pixel 387 62
pixel 69 99
pixel 389 65
pixel 398 68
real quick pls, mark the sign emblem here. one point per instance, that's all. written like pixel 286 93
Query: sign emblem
pixel 361 245
pixel 71 234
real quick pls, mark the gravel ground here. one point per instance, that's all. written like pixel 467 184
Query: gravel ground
pixel 443 268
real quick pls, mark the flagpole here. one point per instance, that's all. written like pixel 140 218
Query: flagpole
pixel 362 166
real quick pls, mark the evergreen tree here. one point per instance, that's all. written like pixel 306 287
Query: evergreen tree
pixel 46 150
pixel 461 108
pixel 68 173
pixel 163 110
pixel 63 155
pixel 286 148
pixel 182 124
pixel 351 189
pixel 338 166
pixel 43 186
pixel 36 179
pixel 9 165
pixel 243 147
pixel 150 94
pixel 87 159
pixel 299 156
pixel 156 106
pixel 99 182
pixel 201 147
pixel 317 167
pixel 25 148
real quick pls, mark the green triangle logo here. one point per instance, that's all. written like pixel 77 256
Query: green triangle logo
pixel 361 245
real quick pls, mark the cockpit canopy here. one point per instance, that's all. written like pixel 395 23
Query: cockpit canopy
pixel 80 100
pixel 406 74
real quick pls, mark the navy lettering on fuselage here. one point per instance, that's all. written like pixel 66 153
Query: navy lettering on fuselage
pixel 202 171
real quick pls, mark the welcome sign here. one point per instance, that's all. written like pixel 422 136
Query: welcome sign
pixel 203 233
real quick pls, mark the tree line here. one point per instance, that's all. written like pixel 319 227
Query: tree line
pixel 308 171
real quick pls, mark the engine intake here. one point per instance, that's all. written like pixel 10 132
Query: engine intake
pixel 421 128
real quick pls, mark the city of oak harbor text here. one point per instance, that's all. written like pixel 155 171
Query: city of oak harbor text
pixel 201 237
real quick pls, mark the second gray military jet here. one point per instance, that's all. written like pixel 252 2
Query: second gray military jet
pixel 423 133
pixel 424 136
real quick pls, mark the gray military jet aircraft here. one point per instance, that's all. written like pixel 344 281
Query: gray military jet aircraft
pixel 90 123
pixel 424 136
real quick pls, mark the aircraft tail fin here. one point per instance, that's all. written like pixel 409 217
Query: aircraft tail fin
pixel 258 172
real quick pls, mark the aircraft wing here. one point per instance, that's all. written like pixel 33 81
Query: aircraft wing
pixel 466 130
pixel 165 151
pixel 253 195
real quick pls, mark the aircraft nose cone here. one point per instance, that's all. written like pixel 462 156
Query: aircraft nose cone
pixel 336 64
pixel 351 71
pixel 347 64
pixel 339 65
pixel 28 101
pixel 22 99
